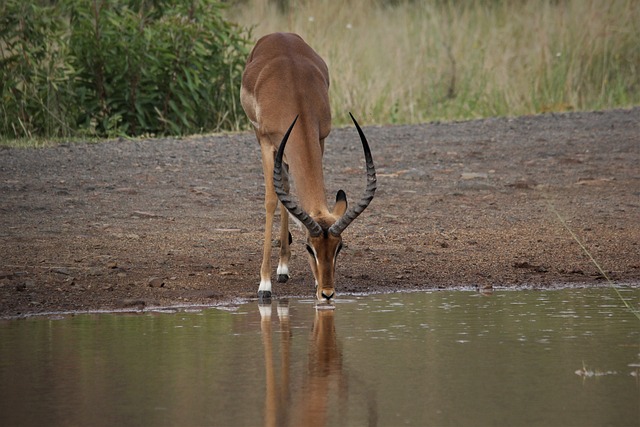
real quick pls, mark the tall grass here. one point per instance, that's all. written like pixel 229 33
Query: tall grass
pixel 416 61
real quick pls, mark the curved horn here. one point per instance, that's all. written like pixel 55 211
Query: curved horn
pixel 338 227
pixel 286 200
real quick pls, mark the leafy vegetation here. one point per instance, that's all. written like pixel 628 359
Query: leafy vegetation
pixel 118 67
pixel 104 68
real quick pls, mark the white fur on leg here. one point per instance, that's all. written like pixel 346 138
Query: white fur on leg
pixel 265 285
pixel 283 269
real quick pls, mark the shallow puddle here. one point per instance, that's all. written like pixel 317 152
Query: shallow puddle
pixel 561 357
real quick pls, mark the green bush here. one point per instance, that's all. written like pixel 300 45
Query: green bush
pixel 109 67
pixel 34 73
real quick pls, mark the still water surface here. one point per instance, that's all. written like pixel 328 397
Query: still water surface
pixel 563 357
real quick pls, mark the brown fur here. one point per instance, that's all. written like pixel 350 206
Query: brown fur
pixel 284 77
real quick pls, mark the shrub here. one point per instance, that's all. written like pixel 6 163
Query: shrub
pixel 34 75
pixel 108 67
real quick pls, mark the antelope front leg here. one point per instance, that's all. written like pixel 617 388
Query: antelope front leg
pixel 270 204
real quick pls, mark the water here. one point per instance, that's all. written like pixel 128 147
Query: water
pixel 564 357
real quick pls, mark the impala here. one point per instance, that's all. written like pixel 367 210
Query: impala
pixel 285 93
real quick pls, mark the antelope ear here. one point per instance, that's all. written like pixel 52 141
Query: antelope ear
pixel 341 204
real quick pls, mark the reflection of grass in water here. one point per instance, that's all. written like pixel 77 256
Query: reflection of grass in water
pixel 593 260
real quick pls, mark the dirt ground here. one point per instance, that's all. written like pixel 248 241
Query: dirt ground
pixel 139 224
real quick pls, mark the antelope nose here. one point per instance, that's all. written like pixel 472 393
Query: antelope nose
pixel 328 295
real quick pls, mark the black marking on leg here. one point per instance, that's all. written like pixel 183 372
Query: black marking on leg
pixel 290 238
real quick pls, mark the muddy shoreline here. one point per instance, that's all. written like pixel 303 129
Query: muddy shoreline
pixel 133 225
pixel 233 303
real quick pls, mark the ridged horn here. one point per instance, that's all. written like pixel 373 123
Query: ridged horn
pixel 286 200
pixel 338 227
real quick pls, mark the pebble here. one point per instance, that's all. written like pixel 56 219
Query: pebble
pixel 473 175
pixel 62 270
pixel 156 282
pixel 130 302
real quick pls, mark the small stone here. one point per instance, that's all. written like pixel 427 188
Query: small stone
pixel 523 264
pixel 95 271
pixel 523 184
pixel 142 214
pixel 126 190
pixel 133 302
pixel 62 270
pixel 156 282
pixel 473 175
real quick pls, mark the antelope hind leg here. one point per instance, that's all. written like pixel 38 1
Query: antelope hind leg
pixel 270 204
pixel 285 240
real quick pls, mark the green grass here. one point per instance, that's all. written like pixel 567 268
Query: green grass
pixel 449 60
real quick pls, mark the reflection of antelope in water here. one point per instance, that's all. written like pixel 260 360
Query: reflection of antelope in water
pixel 324 375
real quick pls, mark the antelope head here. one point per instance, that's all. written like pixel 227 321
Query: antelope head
pixel 324 232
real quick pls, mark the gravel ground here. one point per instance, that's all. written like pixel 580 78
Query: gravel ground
pixel 138 224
